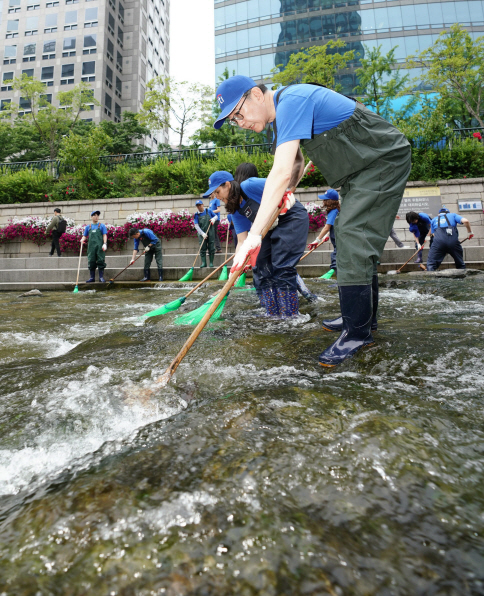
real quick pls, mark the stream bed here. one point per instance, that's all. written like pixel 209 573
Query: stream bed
pixel 255 472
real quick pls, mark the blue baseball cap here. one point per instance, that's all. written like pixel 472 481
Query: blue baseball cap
pixel 94 213
pixel 216 179
pixel 229 93
pixel 199 202
pixel 330 195
pixel 444 210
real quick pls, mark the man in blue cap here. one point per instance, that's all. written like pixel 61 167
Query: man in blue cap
pixel 355 149
pixel 204 220
pixel 152 245
pixel 446 239
pixel 96 235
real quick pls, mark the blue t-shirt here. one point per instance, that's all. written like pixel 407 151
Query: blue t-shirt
pixel 307 110
pixel 215 204
pixel 230 220
pixel 254 189
pixel 441 222
pixel 330 218
pixel 104 230
pixel 147 234
pixel 204 212
pixel 413 227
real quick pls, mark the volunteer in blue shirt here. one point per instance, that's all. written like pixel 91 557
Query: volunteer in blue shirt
pixel 281 248
pixel 419 225
pixel 446 239
pixel 204 221
pixel 332 205
pixel 152 245
pixel 354 148
pixel 96 235
pixel 214 207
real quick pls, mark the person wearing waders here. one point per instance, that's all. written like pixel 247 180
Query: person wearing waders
pixel 243 172
pixel 214 207
pixel 275 270
pixel 96 235
pixel 354 149
pixel 446 239
pixel 57 227
pixel 419 225
pixel 152 245
pixel 206 233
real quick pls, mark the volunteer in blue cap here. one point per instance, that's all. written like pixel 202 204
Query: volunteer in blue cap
pixel 96 235
pixel 446 239
pixel 355 149
pixel 275 274
pixel 214 207
pixel 152 245
pixel 419 225
pixel 332 205
pixel 204 220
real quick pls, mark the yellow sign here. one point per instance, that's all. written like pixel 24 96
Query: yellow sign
pixel 425 199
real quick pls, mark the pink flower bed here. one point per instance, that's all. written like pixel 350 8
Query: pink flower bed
pixel 165 225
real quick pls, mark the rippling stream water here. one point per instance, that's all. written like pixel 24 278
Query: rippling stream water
pixel 257 472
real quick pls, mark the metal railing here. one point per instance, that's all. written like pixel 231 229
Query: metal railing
pixel 466 133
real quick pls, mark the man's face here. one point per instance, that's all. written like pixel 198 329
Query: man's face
pixel 56 213
pixel 138 235
pixel 95 218
pixel 253 112
pixel 201 207
pixel 414 221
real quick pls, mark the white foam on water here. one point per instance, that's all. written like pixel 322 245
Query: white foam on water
pixel 78 420
pixel 48 344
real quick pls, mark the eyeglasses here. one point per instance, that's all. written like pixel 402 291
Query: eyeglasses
pixel 237 116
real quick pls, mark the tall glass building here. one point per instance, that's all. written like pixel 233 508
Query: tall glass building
pixel 254 36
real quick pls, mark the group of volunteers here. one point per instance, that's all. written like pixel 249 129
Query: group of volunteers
pixel 357 151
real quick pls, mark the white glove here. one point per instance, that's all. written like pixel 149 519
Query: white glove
pixel 274 225
pixel 147 249
pixel 250 247
pixel 214 219
pixel 204 234
pixel 287 202
pixel 105 247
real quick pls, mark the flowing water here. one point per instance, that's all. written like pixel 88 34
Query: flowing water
pixel 256 472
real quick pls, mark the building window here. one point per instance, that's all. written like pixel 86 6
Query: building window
pixel 109 77
pixel 120 37
pixel 51 4
pixel 47 75
pixel 112 5
pixel 72 1
pixel 89 44
pixel 44 99
pixel 69 47
pixel 117 113
pixel 50 23
pixel 67 74
pixel 108 102
pixel 5 104
pixel 70 20
pixel 48 53
pixel 119 62
pixel 32 26
pixel 29 72
pixel 119 86
pixel 12 29
pixel 24 106
pixel 10 55
pixel 110 50
pixel 7 78
pixel 88 72
pixel 33 7
pixel 90 19
pixel 111 24
pixel 121 13
pixel 13 6
pixel 29 52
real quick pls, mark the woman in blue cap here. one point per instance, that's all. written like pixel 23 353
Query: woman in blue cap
pixel 332 205
pixel 354 148
pixel 281 248
pixel 419 225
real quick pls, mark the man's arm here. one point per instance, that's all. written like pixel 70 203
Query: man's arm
pixel 53 222
pixel 277 182
pixel 467 224
pixel 297 169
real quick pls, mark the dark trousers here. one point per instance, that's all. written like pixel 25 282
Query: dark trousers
pixel 333 242
pixel 155 251
pixel 55 243
pixel 217 239
pixel 443 245
pixel 282 248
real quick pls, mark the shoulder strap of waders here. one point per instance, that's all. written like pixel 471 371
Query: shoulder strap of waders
pixel 250 209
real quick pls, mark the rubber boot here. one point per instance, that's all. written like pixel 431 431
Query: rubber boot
pixel 357 312
pixel 288 302
pixel 101 276
pixel 203 258
pixel 304 290
pixel 269 302
pixel 147 275
pixel 419 257
pixel 337 324
pixel 92 278
pixel 160 274
pixel 260 295
pixel 210 260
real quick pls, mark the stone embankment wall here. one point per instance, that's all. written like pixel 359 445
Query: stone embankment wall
pixel 115 211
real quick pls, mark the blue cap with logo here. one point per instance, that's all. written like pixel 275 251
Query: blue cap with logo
pixel 330 195
pixel 199 202
pixel 95 213
pixel 216 179
pixel 444 210
pixel 229 93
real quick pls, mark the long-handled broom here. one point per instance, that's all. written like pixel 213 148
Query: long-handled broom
pixel 189 274
pixel 225 273
pixel 112 280
pixel 76 289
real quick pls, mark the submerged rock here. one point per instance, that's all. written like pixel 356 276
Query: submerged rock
pixel 31 293
pixel 453 273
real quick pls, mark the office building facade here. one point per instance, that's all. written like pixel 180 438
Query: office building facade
pixel 254 36
pixel 115 46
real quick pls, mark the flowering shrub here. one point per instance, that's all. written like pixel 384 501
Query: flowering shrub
pixel 165 224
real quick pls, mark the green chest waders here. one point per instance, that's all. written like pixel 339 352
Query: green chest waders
pixel 157 252
pixel 95 253
pixel 209 241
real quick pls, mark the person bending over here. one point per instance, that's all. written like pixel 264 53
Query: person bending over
pixel 446 239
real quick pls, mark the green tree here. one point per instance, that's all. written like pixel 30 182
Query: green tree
pixel 425 125
pixel 82 152
pixel 51 122
pixel 123 134
pixel 175 105
pixel 453 67
pixel 378 83
pixel 317 64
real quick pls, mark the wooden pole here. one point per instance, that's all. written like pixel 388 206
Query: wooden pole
pixel 201 244
pixel 139 256
pixel 79 265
